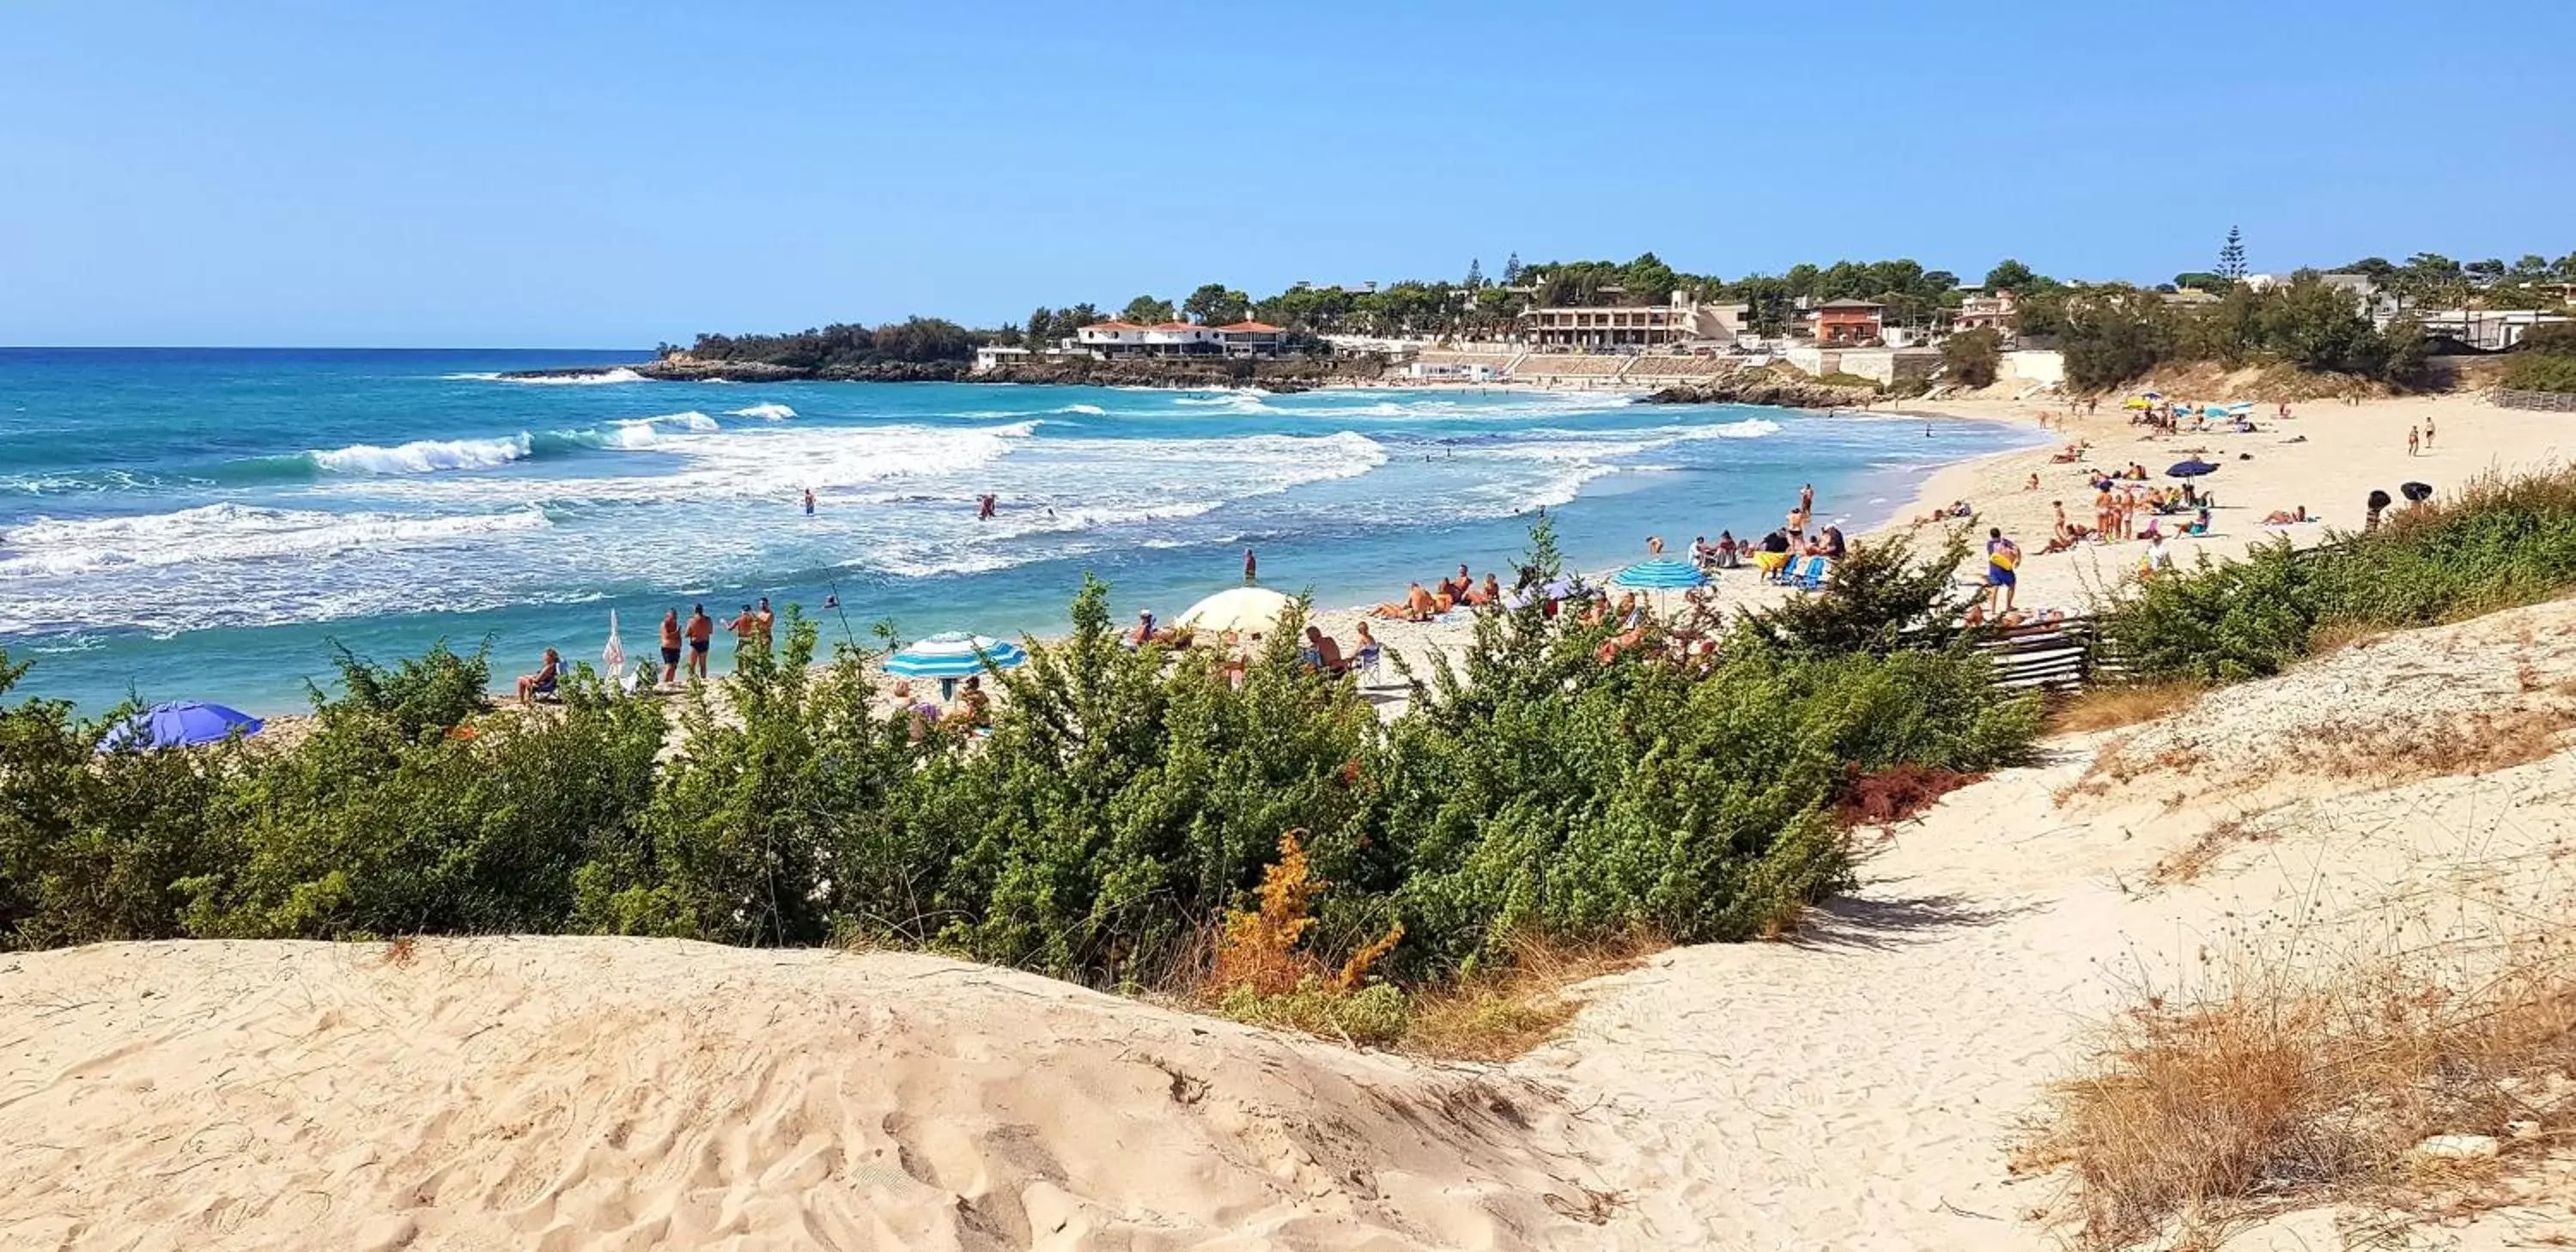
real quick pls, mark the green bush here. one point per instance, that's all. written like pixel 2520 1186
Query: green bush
pixel 362 831
pixel 1120 802
pixel 91 843
pixel 1973 358
pixel 2501 542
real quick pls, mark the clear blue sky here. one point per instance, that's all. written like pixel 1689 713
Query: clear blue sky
pixel 568 174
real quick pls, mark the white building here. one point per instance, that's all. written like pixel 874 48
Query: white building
pixel 2491 329
pixel 991 357
pixel 1683 320
pixel 1126 339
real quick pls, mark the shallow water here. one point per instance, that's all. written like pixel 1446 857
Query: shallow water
pixel 199 523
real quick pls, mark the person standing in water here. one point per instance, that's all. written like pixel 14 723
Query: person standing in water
pixel 809 502
pixel 1807 499
pixel 702 629
pixel 670 647
pixel 745 628
pixel 1251 568
pixel 764 620
pixel 985 506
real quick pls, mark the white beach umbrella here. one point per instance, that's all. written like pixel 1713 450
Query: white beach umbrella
pixel 1236 609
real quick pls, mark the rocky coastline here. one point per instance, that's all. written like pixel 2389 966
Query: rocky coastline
pixel 1186 373
pixel 1765 388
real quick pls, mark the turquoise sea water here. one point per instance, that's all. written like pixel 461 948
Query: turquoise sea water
pixel 197 524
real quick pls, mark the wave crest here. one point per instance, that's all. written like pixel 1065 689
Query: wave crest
pixel 423 456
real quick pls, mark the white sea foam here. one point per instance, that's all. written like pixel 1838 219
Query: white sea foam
pixel 1092 409
pixel 213 533
pixel 766 412
pixel 619 375
pixel 423 456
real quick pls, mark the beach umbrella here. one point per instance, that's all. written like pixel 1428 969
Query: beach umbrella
pixel 178 725
pixel 954 654
pixel 2193 468
pixel 2417 492
pixel 1238 609
pixel 2378 500
pixel 614 655
pixel 1661 573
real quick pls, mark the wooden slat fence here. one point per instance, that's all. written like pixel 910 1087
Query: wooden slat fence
pixel 2552 401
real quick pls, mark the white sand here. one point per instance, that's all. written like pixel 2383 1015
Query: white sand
pixel 2348 451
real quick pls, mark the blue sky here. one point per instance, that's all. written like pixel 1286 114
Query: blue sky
pixel 573 174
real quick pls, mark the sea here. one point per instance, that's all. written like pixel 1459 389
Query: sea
pixel 207 523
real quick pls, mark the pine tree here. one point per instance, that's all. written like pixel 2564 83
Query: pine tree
pixel 1512 270
pixel 1475 274
pixel 2231 257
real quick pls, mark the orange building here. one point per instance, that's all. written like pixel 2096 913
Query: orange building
pixel 1849 321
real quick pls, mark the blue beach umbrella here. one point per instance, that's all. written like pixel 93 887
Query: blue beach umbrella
pixel 2190 469
pixel 178 725
pixel 1661 573
pixel 954 654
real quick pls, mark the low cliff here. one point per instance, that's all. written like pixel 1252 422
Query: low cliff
pixel 1294 374
pixel 1765 387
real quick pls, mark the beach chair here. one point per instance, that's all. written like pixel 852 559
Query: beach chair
pixel 1811 573
pixel 1365 665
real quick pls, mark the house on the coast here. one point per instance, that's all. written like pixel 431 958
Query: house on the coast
pixel 1848 322
pixel 1985 311
pixel 1118 338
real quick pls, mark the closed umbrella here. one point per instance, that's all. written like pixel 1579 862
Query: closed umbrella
pixel 2190 469
pixel 178 725
pixel 1242 609
pixel 614 655
pixel 1661 573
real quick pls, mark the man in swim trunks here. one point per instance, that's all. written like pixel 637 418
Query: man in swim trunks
pixel 745 628
pixel 2002 557
pixel 766 620
pixel 670 647
pixel 701 629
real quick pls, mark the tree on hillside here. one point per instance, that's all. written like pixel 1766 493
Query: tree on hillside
pixel 2009 275
pixel 1041 329
pixel 2231 256
pixel 1512 270
pixel 1149 310
pixel 2203 280
pixel 1648 280
pixel 1215 305
pixel 1475 273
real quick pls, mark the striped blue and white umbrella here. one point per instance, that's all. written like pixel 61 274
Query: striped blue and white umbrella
pixel 1662 573
pixel 954 654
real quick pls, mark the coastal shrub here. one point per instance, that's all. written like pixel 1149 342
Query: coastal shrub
pixel 432 691
pixel 2500 542
pixel 1124 797
pixel 362 831
pixel 1878 599
pixel 1539 790
pixel 1973 358
pixel 784 817
pixel 90 842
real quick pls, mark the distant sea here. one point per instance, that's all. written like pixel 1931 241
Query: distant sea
pixel 200 524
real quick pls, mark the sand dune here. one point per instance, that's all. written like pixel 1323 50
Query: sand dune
pixel 602 1093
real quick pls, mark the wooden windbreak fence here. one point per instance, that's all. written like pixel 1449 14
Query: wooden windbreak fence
pixel 2551 401
pixel 2053 658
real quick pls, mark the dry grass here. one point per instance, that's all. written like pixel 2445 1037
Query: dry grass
pixel 2111 707
pixel 2332 637
pixel 2283 1091
pixel 2399 749
pixel 2188 864
pixel 1500 1016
